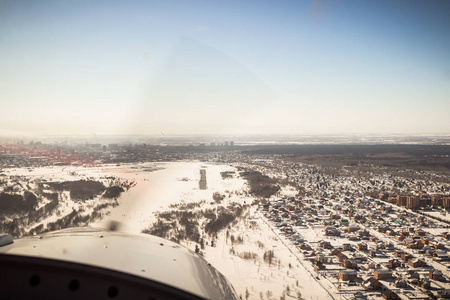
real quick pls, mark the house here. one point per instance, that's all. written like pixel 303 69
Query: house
pixel 407 241
pixel 401 283
pixel 425 240
pixel 440 255
pixel 437 245
pixel 394 263
pixel 425 283
pixel 413 278
pixel 341 257
pixel 346 275
pixel 352 228
pixel 321 258
pixel 406 256
pixel 416 263
pixel 332 231
pixel 372 284
pixel 335 216
pixel 403 233
pixel 389 246
pixel 346 247
pixel 352 237
pixel 304 246
pixel 420 232
pixel 400 238
pixel 370 265
pixel 436 275
pixel 412 244
pixel 364 233
pixel 350 264
pixel 382 274
pixel 398 253
pixel 362 247
pixel 335 251
pixel 325 245
pixel 417 244
pixel 390 233
pixel 359 258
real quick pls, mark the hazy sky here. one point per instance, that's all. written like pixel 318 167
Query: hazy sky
pixel 226 67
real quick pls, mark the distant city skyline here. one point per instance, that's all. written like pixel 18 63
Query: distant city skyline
pixel 234 67
pixel 238 140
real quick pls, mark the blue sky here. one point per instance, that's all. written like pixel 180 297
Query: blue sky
pixel 230 67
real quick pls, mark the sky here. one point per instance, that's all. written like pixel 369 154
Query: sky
pixel 224 67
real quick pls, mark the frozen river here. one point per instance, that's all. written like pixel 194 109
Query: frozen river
pixel 157 185
pixel 169 183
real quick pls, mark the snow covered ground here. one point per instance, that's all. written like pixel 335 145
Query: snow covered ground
pixel 286 276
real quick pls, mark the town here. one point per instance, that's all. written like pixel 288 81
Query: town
pixel 363 226
pixel 366 244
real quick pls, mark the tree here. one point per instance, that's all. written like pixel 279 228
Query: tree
pixel 268 256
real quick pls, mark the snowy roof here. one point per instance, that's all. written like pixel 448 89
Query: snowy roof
pixel 383 271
